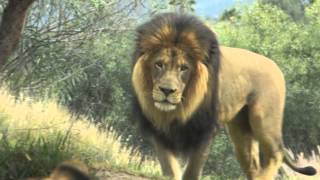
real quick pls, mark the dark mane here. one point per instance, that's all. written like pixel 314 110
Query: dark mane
pixel 168 29
pixel 188 33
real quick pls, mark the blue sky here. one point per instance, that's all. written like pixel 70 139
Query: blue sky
pixel 214 8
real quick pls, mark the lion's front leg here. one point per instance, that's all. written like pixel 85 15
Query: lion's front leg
pixel 168 161
pixel 196 161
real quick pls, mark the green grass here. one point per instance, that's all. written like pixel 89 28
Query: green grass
pixel 36 136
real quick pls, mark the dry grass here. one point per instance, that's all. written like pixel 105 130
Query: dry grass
pixel 38 133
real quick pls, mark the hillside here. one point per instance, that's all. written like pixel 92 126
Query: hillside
pixel 36 136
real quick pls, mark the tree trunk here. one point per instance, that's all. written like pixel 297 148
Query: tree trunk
pixel 11 27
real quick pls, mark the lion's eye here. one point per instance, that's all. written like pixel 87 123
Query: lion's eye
pixel 159 65
pixel 184 68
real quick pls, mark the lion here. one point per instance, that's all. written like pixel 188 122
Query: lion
pixel 186 85
pixel 68 170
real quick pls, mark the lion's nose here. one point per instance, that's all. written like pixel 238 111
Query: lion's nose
pixel 167 91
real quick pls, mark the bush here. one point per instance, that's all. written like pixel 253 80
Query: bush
pixel 222 162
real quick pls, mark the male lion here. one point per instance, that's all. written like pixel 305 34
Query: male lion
pixel 185 83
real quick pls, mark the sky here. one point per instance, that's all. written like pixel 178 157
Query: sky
pixel 214 8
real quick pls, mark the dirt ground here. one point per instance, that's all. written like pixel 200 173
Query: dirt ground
pixel 112 175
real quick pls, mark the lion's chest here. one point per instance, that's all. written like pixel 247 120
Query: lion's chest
pixel 184 137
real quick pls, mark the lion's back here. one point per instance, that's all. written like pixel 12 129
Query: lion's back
pixel 244 78
pixel 257 68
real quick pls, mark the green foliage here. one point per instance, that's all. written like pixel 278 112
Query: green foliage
pixel 222 162
pixel 46 153
pixel 294 8
pixel 229 14
pixel 183 5
pixel 78 52
pixel 157 6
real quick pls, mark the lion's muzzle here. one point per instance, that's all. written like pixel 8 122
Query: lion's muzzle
pixel 165 106
pixel 166 98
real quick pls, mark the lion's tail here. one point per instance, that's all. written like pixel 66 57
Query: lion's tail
pixel 308 170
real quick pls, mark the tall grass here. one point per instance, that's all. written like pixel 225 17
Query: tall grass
pixel 36 136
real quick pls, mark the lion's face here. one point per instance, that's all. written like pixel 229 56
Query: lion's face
pixel 176 62
pixel 171 72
